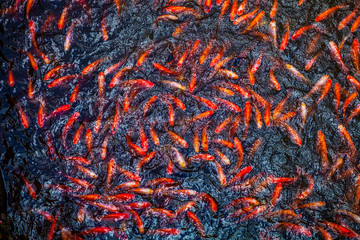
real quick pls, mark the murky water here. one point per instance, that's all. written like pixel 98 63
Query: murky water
pixel 41 155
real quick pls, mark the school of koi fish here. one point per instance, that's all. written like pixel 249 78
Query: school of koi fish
pixel 179 119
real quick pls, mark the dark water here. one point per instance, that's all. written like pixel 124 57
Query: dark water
pixel 131 32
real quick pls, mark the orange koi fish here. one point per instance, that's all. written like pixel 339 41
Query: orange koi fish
pixel 325 91
pixel 23 118
pixel 207 6
pixel 178 158
pixel 258 117
pixel 322 149
pixel 205 53
pixel 354 113
pixel 78 133
pixel 153 135
pixel 87 171
pixel 277 111
pixel 254 213
pixel 337 56
pixel 344 133
pixel 223 10
pixel 114 67
pixel 75 93
pixel 198 225
pixel 312 205
pixel 274 9
pixel 233 10
pixel 217 58
pixel 32 33
pixel 294 136
pixel 69 124
pixel 296 73
pixel 176 138
pixel 347 19
pixel 221 63
pixel 11 79
pixel 182 10
pixel 355 54
pixel 337 93
pixel 165 17
pixel 257 63
pixel 246 17
pixel 59 110
pixel 193 80
pixel 53 72
pixel 145 160
pixel 89 140
pixel 301 31
pixel 164 69
pixel 228 73
pixel 339 229
pixel 355 24
pixel 119 75
pixel 276 194
pixel 171 113
pixel 272 32
pixel 267 113
pixel 204 138
pixel 285 39
pixel 28 185
pixel 32 60
pixel 63 16
pixel 41 113
pixel 312 61
pixel 241 8
pixel 183 56
pixel 206 102
pixel 273 81
pixel 105 35
pixel 293 227
pixel 138 150
pixel 110 173
pixel 255 22
pixel 348 101
pixel 245 94
pixel 180 28
pixel 62 80
pixel 247 117
pixel 240 175
pixel 324 15
pixel 196 142
pixel 230 105
pixel 223 124
pixel 240 154
pixel 69 35
pixel 92 66
pixel 143 57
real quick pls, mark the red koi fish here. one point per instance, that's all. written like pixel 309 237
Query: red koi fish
pixel 69 124
pixel 93 66
pixel 69 35
pixel 28 185
pixel 197 223
pixel 327 13
pixel 62 80
pixel 347 19
pixel 337 56
pixel 285 39
pixel 53 72
pixel 23 118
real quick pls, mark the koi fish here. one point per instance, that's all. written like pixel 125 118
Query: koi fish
pixel 324 15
